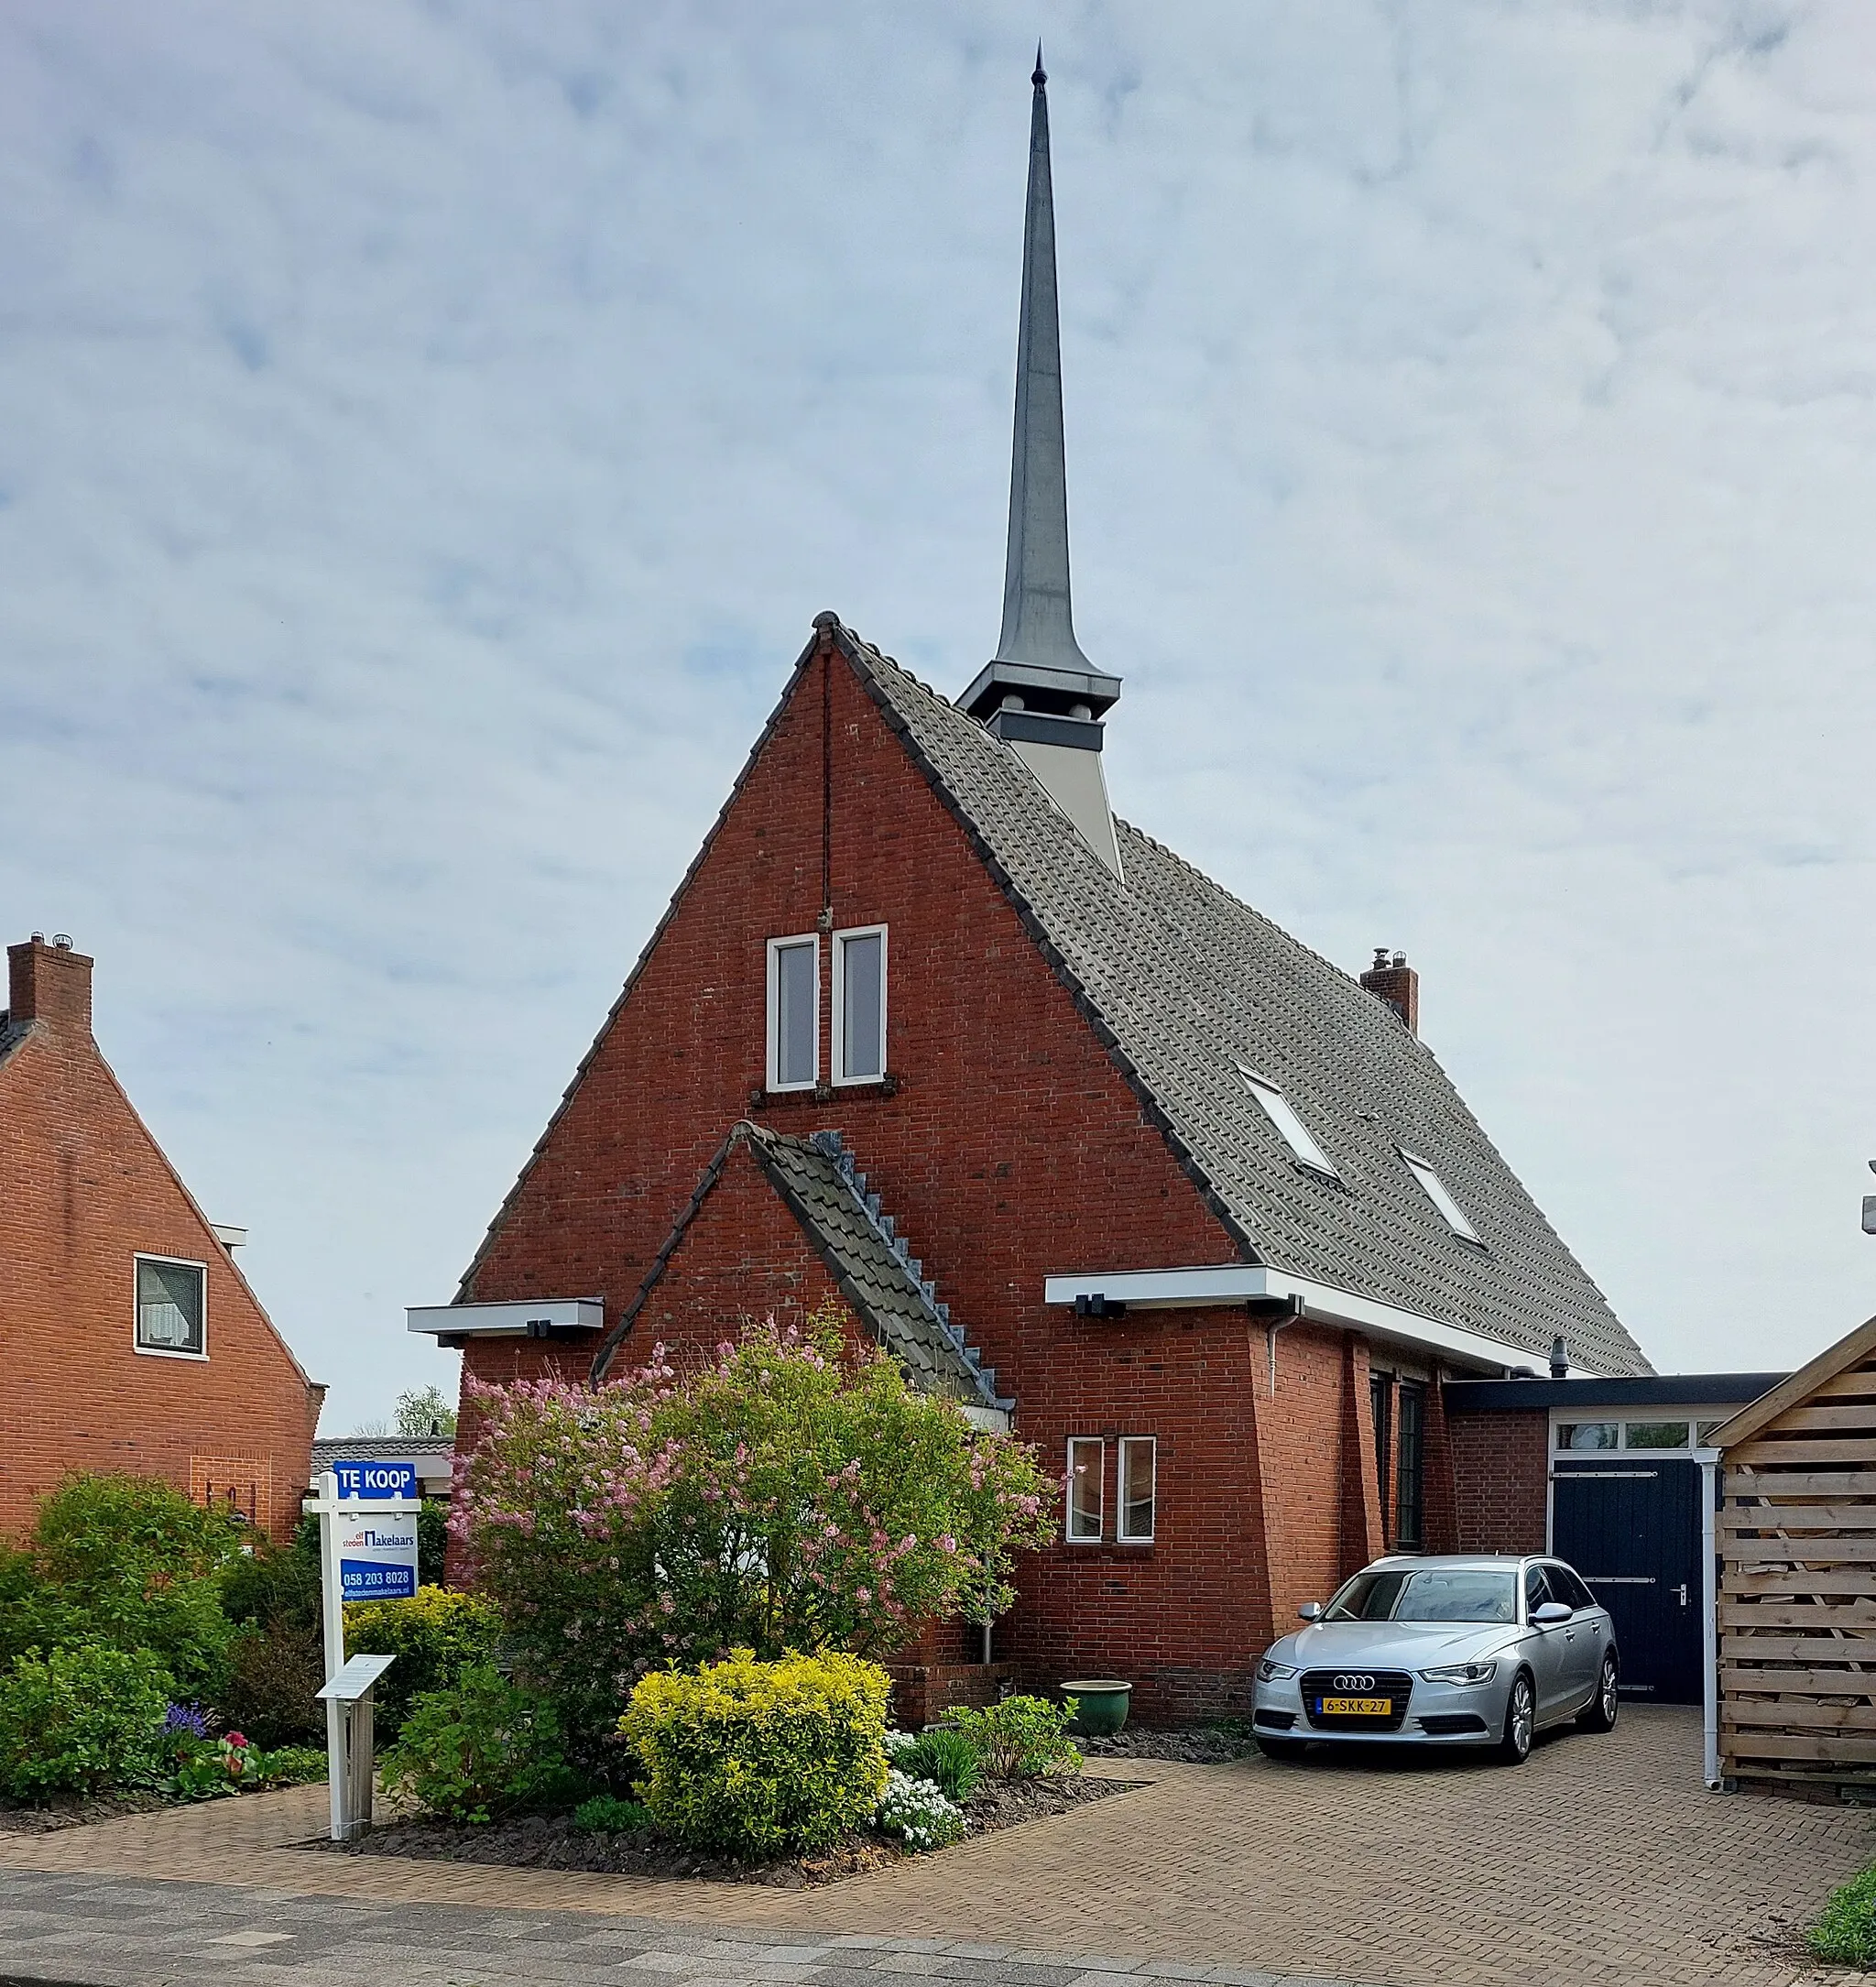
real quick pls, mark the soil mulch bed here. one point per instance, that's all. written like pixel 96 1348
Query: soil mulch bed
pixel 72 1811
pixel 1211 1746
pixel 551 1841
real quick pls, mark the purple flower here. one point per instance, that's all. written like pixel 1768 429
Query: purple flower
pixel 189 1717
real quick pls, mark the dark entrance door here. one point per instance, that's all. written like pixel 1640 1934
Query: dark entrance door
pixel 1631 1528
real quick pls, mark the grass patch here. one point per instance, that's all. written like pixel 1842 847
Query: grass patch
pixel 1846 1928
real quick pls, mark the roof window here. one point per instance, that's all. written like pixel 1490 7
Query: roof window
pixel 1282 1113
pixel 1450 1210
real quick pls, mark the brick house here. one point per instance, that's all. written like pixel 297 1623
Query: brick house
pixel 130 1341
pixel 1086 1141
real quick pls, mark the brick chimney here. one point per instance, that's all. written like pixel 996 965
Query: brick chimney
pixel 50 983
pixel 1393 980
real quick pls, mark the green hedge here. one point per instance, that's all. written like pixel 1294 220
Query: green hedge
pixel 81 1721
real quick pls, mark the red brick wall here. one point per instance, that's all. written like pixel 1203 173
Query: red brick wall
pixel 1012 1148
pixel 82 1188
pixel 1500 1473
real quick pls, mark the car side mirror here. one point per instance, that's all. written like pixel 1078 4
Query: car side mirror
pixel 1550 1613
pixel 1311 1610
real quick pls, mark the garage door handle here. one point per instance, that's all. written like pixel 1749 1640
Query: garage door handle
pixel 1682 1590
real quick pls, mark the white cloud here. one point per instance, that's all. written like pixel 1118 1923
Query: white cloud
pixel 426 432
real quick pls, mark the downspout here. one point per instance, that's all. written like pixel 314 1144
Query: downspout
pixel 1709 1460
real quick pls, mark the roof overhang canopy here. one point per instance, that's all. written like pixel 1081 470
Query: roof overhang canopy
pixel 533 1317
pixel 1248 1283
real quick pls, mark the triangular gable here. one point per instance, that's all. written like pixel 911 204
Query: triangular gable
pixel 883 1285
pixel 1848 1353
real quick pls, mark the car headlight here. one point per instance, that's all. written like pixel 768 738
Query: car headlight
pixel 1462 1673
pixel 1274 1673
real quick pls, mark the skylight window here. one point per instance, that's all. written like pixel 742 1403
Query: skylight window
pixel 1282 1114
pixel 1450 1210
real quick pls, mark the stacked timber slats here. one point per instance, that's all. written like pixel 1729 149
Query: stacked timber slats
pixel 1797 1588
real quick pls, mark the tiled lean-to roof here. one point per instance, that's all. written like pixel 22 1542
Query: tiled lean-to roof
pixel 1182 983
pixel 872 1264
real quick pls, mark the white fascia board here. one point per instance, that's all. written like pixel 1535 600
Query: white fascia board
pixel 990 1420
pixel 1237 1282
pixel 527 1319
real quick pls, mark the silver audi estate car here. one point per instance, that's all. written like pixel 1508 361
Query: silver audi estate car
pixel 1464 1651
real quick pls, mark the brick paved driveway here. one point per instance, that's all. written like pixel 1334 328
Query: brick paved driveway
pixel 1602 1861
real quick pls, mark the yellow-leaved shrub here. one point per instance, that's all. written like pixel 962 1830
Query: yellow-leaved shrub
pixel 759 1759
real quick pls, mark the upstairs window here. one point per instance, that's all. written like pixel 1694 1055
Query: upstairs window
pixel 1088 1466
pixel 171 1307
pixel 1282 1113
pixel 1139 1459
pixel 859 1005
pixel 794 1012
pixel 1436 1189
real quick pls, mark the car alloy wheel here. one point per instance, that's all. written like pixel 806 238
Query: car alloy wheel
pixel 1521 1721
pixel 1599 1714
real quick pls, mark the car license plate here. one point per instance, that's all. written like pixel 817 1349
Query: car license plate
pixel 1355 1708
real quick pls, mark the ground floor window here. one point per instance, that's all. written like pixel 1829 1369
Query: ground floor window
pixel 1087 1469
pixel 1380 1401
pixel 1410 1488
pixel 1139 1469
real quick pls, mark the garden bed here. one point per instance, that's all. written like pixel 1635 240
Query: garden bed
pixel 1205 1745
pixel 75 1811
pixel 551 1843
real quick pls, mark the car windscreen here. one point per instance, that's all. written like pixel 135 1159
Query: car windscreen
pixel 1432 1594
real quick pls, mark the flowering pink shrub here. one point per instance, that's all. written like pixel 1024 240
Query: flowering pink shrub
pixel 790 1496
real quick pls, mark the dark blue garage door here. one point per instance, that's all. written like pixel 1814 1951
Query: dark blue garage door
pixel 1631 1528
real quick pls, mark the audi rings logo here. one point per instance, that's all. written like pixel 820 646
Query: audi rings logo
pixel 1354 1680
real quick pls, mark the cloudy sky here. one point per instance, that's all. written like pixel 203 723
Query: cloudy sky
pixel 427 431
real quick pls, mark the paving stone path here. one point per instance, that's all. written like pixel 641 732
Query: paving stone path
pixel 1601 1863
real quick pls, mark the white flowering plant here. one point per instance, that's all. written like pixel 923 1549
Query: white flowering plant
pixel 918 1814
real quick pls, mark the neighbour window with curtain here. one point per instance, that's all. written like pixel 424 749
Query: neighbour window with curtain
pixel 794 1012
pixel 1139 1469
pixel 1086 1469
pixel 859 1005
pixel 169 1305
pixel 1409 1483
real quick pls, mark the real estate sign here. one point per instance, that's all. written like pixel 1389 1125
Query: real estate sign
pixel 374 1479
pixel 378 1557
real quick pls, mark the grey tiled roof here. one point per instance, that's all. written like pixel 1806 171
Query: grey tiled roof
pixel 1182 982
pixel 877 1272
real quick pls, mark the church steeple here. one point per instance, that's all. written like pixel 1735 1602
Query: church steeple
pixel 1038 658
pixel 1042 695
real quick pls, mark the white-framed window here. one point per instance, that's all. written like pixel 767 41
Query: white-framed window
pixel 1139 1472
pixel 1282 1113
pixel 794 1012
pixel 859 1004
pixel 171 1308
pixel 1673 1428
pixel 1087 1470
pixel 1434 1188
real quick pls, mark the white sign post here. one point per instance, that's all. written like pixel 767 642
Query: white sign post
pixel 367 1550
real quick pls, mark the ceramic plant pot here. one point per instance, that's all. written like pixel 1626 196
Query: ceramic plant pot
pixel 1101 1704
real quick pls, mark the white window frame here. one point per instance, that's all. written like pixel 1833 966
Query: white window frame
pixel 777 946
pixel 1289 1124
pixel 1441 1196
pixel 1151 1444
pixel 839 1044
pixel 165 1352
pixel 1099 1444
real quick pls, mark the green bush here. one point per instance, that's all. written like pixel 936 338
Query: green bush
pixel 480 1750
pixel 81 1722
pixel 1845 1932
pixel 273 1670
pixel 129 1563
pixel 435 1636
pixel 276 1583
pixel 1021 1737
pixel 606 1813
pixel 948 1759
pixel 289 1766
pixel 762 1758
pixel 22 1605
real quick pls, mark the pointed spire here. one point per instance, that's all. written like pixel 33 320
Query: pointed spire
pixel 1036 624
pixel 1038 658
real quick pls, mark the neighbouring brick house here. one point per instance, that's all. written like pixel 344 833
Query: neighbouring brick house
pixel 1085 1140
pixel 130 1339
